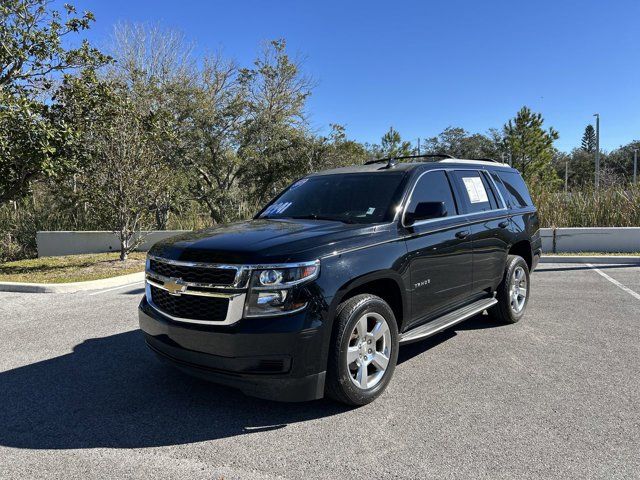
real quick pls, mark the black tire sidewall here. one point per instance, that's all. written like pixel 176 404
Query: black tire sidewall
pixel 347 320
pixel 507 312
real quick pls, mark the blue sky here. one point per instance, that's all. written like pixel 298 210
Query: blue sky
pixel 422 66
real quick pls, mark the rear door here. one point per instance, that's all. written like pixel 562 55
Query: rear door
pixel 489 224
pixel 439 250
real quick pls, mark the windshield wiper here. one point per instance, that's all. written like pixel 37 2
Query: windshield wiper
pixel 314 216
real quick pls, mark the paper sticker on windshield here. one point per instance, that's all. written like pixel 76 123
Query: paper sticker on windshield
pixel 299 183
pixel 475 189
pixel 371 210
pixel 276 208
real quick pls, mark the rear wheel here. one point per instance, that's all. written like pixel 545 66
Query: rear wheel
pixel 513 291
pixel 364 350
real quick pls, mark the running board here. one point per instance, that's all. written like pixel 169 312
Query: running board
pixel 446 321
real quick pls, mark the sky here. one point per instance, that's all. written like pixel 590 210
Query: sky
pixel 421 66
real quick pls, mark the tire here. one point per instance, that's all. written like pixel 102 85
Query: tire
pixel 366 352
pixel 510 309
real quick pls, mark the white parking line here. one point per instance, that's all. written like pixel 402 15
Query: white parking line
pixel 614 281
pixel 117 288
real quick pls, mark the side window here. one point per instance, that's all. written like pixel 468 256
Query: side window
pixel 475 191
pixel 503 190
pixel 434 187
pixel 516 187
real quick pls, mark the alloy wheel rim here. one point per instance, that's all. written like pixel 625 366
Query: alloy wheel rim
pixel 518 290
pixel 369 350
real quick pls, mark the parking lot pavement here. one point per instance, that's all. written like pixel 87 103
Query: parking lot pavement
pixel 554 396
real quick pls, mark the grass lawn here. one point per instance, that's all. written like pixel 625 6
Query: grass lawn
pixel 71 268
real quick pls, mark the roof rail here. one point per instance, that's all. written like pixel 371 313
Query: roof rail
pixel 485 160
pixel 391 161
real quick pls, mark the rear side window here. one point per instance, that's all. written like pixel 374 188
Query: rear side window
pixel 433 187
pixel 475 191
pixel 503 190
pixel 517 189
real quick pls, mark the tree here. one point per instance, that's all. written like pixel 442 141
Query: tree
pixel 459 143
pixel 32 53
pixel 531 147
pixel 249 135
pixel 117 147
pixel 215 111
pixel 275 131
pixel 589 139
pixel 392 145
pixel 157 68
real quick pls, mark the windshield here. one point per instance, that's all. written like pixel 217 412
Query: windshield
pixel 348 198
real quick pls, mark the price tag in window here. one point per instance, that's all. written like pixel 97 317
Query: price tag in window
pixel 475 189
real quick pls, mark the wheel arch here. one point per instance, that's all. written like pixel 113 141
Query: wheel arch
pixel 386 284
pixel 523 249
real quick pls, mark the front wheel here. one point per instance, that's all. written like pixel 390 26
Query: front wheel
pixel 513 291
pixel 364 350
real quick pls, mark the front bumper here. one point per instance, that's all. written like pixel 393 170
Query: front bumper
pixel 279 358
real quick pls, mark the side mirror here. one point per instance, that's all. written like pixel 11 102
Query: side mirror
pixel 425 211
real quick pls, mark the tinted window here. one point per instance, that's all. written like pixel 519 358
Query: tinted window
pixel 495 196
pixel 517 189
pixel 476 194
pixel 503 190
pixel 433 187
pixel 350 197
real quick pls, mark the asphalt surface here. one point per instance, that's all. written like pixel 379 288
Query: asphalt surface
pixel 554 396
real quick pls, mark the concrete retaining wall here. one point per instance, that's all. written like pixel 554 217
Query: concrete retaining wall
pixel 597 239
pixel 52 244
pixel 567 240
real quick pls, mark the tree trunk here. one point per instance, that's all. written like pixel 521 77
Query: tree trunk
pixel 124 246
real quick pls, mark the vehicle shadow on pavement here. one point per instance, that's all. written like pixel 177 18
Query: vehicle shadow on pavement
pixel 477 322
pixel 112 392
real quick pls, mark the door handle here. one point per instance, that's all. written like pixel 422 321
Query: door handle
pixel 504 224
pixel 462 234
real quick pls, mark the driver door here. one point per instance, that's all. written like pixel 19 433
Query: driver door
pixel 439 251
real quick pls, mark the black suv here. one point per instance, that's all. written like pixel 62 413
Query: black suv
pixel 315 295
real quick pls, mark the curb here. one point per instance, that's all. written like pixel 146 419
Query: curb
pixel 609 259
pixel 71 287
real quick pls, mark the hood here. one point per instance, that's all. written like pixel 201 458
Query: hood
pixel 267 241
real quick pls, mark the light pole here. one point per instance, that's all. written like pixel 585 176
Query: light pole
pixel 597 115
pixel 635 166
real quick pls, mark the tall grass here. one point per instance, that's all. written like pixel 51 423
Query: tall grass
pixel 607 207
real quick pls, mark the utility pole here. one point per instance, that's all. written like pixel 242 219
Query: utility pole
pixel 566 174
pixel 635 166
pixel 418 145
pixel 597 115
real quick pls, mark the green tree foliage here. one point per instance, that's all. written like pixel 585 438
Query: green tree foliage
pixel 589 139
pixel 157 69
pixel 249 134
pixel 458 143
pixel 530 147
pixel 118 146
pixel 392 145
pixel 32 54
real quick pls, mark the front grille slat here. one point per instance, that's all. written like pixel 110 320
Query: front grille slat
pixel 194 274
pixel 193 307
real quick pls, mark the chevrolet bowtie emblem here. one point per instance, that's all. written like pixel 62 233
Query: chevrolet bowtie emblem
pixel 175 286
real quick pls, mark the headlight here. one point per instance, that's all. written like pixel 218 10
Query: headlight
pixel 272 292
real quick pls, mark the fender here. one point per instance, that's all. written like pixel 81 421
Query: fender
pixel 353 284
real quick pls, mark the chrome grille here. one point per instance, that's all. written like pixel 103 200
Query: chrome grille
pixel 193 307
pixel 194 274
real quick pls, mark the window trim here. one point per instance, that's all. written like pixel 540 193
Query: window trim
pixel 456 193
